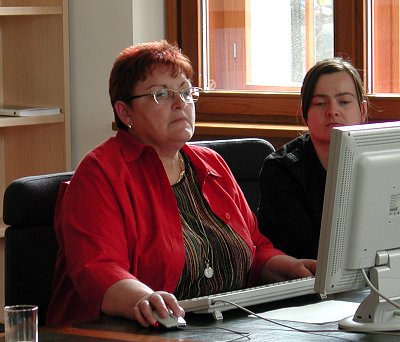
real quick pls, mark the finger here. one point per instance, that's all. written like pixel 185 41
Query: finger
pixel 313 267
pixel 147 311
pixel 159 304
pixel 310 264
pixel 173 304
pixel 164 302
pixel 143 313
pixel 138 317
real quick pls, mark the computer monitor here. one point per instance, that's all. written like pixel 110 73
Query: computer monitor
pixel 360 227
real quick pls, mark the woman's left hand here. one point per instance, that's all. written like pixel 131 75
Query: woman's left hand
pixel 284 267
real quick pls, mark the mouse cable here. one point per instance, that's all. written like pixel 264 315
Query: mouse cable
pixel 305 331
pixel 210 329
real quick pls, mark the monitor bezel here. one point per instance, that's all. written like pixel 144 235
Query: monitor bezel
pixel 330 257
pixel 363 150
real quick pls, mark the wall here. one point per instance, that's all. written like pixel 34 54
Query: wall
pixel 99 30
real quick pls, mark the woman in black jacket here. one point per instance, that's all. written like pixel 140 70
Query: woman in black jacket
pixel 292 179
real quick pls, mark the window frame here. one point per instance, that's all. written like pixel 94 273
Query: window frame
pixel 183 26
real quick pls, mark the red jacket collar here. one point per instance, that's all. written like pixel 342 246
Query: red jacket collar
pixel 131 150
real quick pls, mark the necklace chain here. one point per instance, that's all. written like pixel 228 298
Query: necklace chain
pixel 208 270
pixel 181 166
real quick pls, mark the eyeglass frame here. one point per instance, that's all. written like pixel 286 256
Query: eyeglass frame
pixel 154 93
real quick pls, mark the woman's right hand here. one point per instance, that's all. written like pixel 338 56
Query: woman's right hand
pixel 133 299
pixel 160 301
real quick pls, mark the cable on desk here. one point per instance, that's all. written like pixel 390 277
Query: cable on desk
pixel 312 332
pixel 242 334
pixel 374 289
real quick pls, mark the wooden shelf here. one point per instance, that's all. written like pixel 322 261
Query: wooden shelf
pixel 35 10
pixel 34 69
pixel 9 121
pixel 3 227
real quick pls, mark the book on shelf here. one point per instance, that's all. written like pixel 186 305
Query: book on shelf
pixel 28 111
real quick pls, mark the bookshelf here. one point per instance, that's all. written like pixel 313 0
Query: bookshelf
pixel 34 60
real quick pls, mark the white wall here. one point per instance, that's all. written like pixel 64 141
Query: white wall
pixel 99 30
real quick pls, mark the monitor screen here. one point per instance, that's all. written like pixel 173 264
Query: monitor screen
pixel 360 228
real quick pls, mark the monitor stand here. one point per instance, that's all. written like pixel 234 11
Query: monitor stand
pixel 374 312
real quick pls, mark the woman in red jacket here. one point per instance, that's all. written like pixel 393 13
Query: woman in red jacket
pixel 146 219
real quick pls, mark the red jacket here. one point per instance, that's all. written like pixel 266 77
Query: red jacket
pixel 118 218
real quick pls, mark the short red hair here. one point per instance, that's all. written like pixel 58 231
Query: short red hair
pixel 135 63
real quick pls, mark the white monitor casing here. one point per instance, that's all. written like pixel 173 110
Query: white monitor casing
pixel 360 226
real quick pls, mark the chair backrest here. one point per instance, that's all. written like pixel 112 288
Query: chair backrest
pixel 28 210
pixel 30 243
pixel 245 157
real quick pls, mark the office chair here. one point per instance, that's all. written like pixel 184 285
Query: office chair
pixel 30 243
pixel 245 157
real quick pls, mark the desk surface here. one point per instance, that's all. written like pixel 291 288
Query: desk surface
pixel 202 327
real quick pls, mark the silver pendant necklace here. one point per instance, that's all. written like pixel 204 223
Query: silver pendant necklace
pixel 208 270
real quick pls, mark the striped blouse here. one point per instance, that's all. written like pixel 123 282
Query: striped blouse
pixel 208 241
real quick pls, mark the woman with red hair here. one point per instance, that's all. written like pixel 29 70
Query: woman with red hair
pixel 147 219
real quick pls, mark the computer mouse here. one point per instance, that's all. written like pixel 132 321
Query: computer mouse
pixel 170 321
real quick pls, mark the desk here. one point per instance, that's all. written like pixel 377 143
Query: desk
pixel 202 327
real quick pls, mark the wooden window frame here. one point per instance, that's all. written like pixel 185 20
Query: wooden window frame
pixel 261 108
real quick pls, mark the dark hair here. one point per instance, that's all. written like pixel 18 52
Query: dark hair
pixel 329 66
pixel 137 62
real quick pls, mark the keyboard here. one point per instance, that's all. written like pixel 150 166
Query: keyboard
pixel 250 296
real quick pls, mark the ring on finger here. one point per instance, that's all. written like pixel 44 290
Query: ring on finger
pixel 145 303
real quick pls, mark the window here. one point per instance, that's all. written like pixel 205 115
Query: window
pixel 365 31
pixel 264 44
pixel 384 16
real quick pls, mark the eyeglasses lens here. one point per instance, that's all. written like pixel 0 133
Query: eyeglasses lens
pixel 187 95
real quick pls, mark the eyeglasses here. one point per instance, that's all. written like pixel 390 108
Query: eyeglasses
pixel 163 95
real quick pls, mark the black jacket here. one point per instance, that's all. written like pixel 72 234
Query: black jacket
pixel 292 183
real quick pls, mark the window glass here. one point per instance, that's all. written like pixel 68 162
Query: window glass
pixel 264 44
